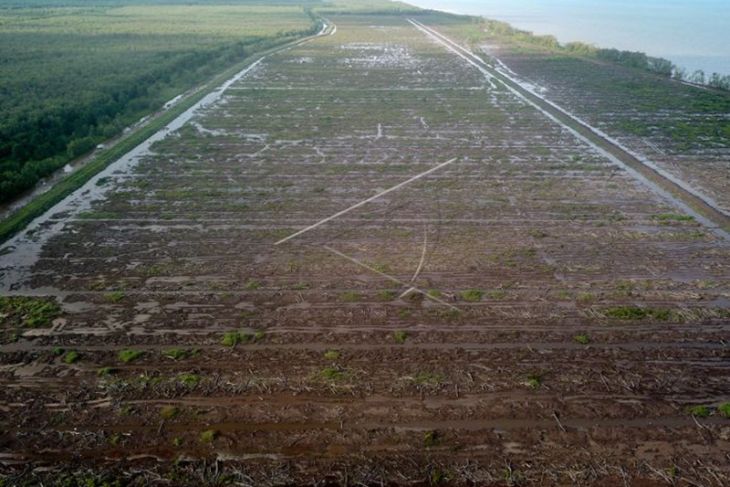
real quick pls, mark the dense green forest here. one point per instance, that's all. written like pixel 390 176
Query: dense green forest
pixel 74 73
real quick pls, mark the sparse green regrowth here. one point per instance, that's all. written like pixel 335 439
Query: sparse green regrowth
pixel 189 380
pixel 585 298
pixel 387 295
pixel 430 438
pixel 699 411
pixel 724 409
pixel 673 217
pixel 535 233
pixel 582 338
pixel 435 293
pixel 300 286
pixel 563 295
pixel 114 440
pixel 208 436
pixel 179 353
pixel 637 313
pixel 177 441
pixel 497 294
pixel 400 336
pixel 71 357
pixel 231 338
pixel 58 351
pixel 404 313
pixel 114 296
pixel 28 311
pixel 234 337
pixel 331 354
pixel 437 476
pixel 333 374
pixel 252 285
pixel 105 371
pixel 350 296
pixel 129 355
pixel 534 381
pixel 428 379
pixel 472 295
pixel 169 412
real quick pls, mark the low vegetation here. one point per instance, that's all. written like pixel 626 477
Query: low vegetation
pixel 638 313
pixel 472 295
pixel 234 337
pixel 332 355
pixel 400 336
pixel 71 357
pixel 129 355
pixel 22 311
pixel 582 338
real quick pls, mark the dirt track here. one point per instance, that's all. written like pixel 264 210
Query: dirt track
pixel 590 315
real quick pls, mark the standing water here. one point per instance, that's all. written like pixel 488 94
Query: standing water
pixel 693 34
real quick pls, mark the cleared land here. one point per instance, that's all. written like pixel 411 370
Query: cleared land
pixel 526 314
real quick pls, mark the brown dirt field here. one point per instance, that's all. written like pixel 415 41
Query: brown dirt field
pixel 566 323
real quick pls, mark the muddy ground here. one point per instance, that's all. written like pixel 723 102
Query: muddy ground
pixel 528 314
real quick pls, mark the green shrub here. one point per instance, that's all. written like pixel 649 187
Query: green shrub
pixel 71 357
pixel 169 412
pixel 128 355
pixel 189 380
pixel 400 336
pixel 699 411
pixel 350 296
pixel 208 436
pixel 583 339
pixel 472 295
pixel 332 355
pixel 724 409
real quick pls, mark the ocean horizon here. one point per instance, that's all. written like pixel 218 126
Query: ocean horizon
pixel 692 34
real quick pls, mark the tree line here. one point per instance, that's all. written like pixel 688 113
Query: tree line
pixel 58 107
pixel 632 59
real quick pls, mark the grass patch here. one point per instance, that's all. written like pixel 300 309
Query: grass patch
pixel 105 371
pixel 350 296
pixel 400 336
pixel 233 338
pixel 129 355
pixel 430 438
pixel 534 381
pixel 386 295
pixel 179 353
pixel 637 313
pixel 114 296
pixel 208 436
pixel 333 374
pixel 583 339
pixel 428 379
pixel 28 312
pixel 252 285
pixel 724 410
pixel 71 357
pixel 472 295
pixel 497 294
pixel 189 380
pixel 673 217
pixel 169 412
pixel 434 293
pixel 699 411
pixel 331 354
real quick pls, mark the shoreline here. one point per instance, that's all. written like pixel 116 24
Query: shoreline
pixel 678 59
